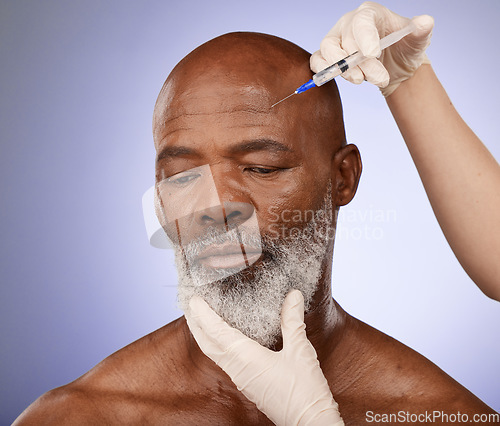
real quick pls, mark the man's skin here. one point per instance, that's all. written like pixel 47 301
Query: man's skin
pixel 216 106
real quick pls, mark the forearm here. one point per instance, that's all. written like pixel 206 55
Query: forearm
pixel 460 176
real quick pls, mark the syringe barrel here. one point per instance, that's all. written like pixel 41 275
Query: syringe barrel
pixel 338 68
pixel 327 74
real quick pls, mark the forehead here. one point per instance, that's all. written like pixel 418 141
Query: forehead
pixel 218 107
pixel 224 90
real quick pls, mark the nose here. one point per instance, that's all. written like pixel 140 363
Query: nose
pixel 230 213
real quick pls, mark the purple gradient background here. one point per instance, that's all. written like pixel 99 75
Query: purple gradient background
pixel 78 278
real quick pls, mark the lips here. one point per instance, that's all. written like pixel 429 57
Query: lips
pixel 228 256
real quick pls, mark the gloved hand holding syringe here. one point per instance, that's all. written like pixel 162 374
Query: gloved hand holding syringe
pixel 349 62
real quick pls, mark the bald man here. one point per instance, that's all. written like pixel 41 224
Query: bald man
pixel 290 168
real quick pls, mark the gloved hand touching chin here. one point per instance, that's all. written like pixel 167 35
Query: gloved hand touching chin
pixel 287 386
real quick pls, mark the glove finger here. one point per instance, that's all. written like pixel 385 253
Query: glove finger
pixel 425 25
pixel 292 318
pixel 317 62
pixel 365 32
pixel 375 72
pixel 209 347
pixel 349 45
pixel 295 341
pixel 331 51
pixel 417 41
pixel 354 75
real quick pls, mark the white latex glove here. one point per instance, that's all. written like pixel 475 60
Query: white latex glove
pixel 287 386
pixel 362 30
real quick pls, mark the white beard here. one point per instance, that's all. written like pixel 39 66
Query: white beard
pixel 251 300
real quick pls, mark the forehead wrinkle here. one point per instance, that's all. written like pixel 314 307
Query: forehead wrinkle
pixel 171 132
pixel 249 125
pixel 256 118
pixel 248 109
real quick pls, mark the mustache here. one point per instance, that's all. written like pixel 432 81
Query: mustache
pixel 251 240
pixel 254 240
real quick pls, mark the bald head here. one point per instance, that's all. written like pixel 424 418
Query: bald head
pixel 257 70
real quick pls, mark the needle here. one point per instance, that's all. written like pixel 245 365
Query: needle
pixel 301 89
pixel 284 99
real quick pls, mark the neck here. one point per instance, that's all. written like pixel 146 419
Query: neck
pixel 325 320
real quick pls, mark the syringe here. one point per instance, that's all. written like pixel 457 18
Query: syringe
pixel 348 62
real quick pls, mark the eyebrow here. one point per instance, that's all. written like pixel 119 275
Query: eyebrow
pixel 243 147
pixel 259 145
pixel 173 152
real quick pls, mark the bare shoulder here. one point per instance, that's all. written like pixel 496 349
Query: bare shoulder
pixel 389 377
pixel 143 377
pixel 64 405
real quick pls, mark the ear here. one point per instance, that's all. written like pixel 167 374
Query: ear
pixel 346 171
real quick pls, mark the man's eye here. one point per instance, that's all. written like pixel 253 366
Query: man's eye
pixel 262 170
pixel 182 180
